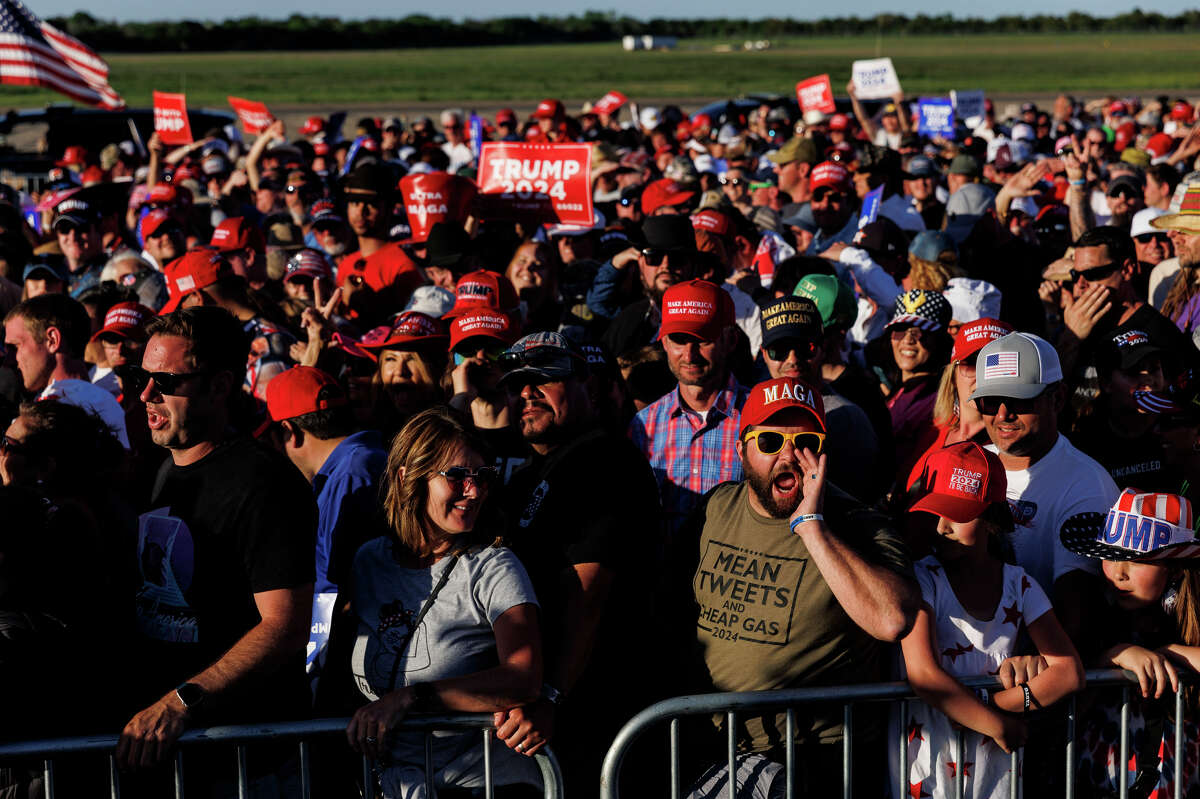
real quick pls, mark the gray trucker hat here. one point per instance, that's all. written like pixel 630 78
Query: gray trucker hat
pixel 1019 365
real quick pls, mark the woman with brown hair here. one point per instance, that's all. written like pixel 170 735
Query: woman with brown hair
pixel 447 618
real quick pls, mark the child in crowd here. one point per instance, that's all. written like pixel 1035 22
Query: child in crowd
pixel 1147 542
pixel 975 604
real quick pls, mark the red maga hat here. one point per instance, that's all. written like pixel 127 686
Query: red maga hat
pixel 238 233
pixel 974 336
pixel 191 272
pixel 483 289
pixel 697 308
pixel 410 327
pixel 482 322
pixel 125 320
pixel 772 396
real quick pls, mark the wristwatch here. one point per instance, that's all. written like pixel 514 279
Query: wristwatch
pixel 551 694
pixel 191 695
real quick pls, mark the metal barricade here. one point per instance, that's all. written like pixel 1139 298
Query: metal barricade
pixel 301 731
pixel 669 711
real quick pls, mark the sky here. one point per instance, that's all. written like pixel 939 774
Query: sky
pixel 142 10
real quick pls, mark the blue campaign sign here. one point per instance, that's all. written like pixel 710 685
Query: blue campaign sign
pixel 870 206
pixel 935 117
pixel 476 134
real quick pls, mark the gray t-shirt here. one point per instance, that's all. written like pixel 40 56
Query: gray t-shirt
pixel 454 638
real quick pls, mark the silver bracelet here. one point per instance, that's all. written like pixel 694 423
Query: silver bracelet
pixel 808 517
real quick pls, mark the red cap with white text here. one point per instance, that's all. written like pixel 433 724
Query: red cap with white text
pixel 960 481
pixel 772 396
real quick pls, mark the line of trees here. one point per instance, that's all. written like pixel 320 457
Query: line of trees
pixel 328 33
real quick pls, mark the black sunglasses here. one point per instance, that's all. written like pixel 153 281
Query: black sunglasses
pixel 654 256
pixel 483 477
pixel 990 406
pixel 1146 238
pixel 1096 272
pixel 781 350
pixel 134 379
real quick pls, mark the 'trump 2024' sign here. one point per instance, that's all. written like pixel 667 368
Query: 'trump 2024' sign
pixel 547 182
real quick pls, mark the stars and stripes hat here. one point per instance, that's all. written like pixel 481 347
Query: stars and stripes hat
pixel 928 310
pixel 1019 365
pixel 1139 526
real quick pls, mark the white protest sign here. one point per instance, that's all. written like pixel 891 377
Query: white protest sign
pixel 875 79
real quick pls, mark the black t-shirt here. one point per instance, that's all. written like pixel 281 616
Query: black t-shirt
pixel 597 502
pixel 240 521
pixel 1133 461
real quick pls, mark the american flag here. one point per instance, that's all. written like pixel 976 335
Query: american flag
pixel 35 53
pixel 1001 364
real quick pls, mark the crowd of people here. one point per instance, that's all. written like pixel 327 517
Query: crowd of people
pixel 273 451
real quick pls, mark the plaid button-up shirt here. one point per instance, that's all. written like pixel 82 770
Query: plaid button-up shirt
pixel 688 453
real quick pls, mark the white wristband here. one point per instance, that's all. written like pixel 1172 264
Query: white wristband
pixel 808 517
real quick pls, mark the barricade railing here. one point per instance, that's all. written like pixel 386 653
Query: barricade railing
pixel 669 711
pixel 302 732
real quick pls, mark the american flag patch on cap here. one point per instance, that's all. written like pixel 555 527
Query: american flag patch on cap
pixel 1001 364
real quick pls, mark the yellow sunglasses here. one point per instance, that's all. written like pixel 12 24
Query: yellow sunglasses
pixel 771 441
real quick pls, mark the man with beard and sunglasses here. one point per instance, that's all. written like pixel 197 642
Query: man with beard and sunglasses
pixel 787 581
pixel 793 346
pixel 668 257
pixel 585 518
pixel 225 562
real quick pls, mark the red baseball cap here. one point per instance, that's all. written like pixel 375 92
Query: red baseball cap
pixel 154 220
pixel 191 272
pixel 125 320
pixel 162 194
pixel 664 192
pixel 827 173
pixel 506 115
pixel 483 289
pixel 839 122
pixel 410 327
pixel 238 233
pixel 1159 145
pixel 548 109
pixel 697 308
pixel 482 322
pixel 712 220
pixel 772 396
pixel 312 125
pixel 1182 110
pixel 72 156
pixel 297 391
pixel 974 336
pixel 960 481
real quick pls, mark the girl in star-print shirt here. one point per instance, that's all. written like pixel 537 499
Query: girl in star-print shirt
pixel 974 607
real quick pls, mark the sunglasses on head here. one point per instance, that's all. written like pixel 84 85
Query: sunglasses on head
pixel 483 477
pixel 771 441
pixel 1096 272
pixel 538 356
pixel 134 380
pixel 990 406
pixel 781 350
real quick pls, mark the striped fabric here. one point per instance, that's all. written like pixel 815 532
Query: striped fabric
pixel 35 53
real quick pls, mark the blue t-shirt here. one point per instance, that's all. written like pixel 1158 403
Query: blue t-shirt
pixel 347 491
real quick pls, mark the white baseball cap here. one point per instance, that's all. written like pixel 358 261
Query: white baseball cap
pixel 1141 222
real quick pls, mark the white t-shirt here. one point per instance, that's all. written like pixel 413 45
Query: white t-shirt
pixel 1063 483
pixel 91 398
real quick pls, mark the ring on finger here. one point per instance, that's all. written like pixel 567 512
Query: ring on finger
pixel 521 747
pixel 371 740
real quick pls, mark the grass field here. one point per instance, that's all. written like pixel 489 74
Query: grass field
pixel 1040 64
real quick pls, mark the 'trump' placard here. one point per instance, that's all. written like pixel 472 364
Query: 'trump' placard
pixel 935 117
pixel 610 103
pixel 816 94
pixel 875 79
pixel 254 115
pixel 171 119
pixel 546 182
